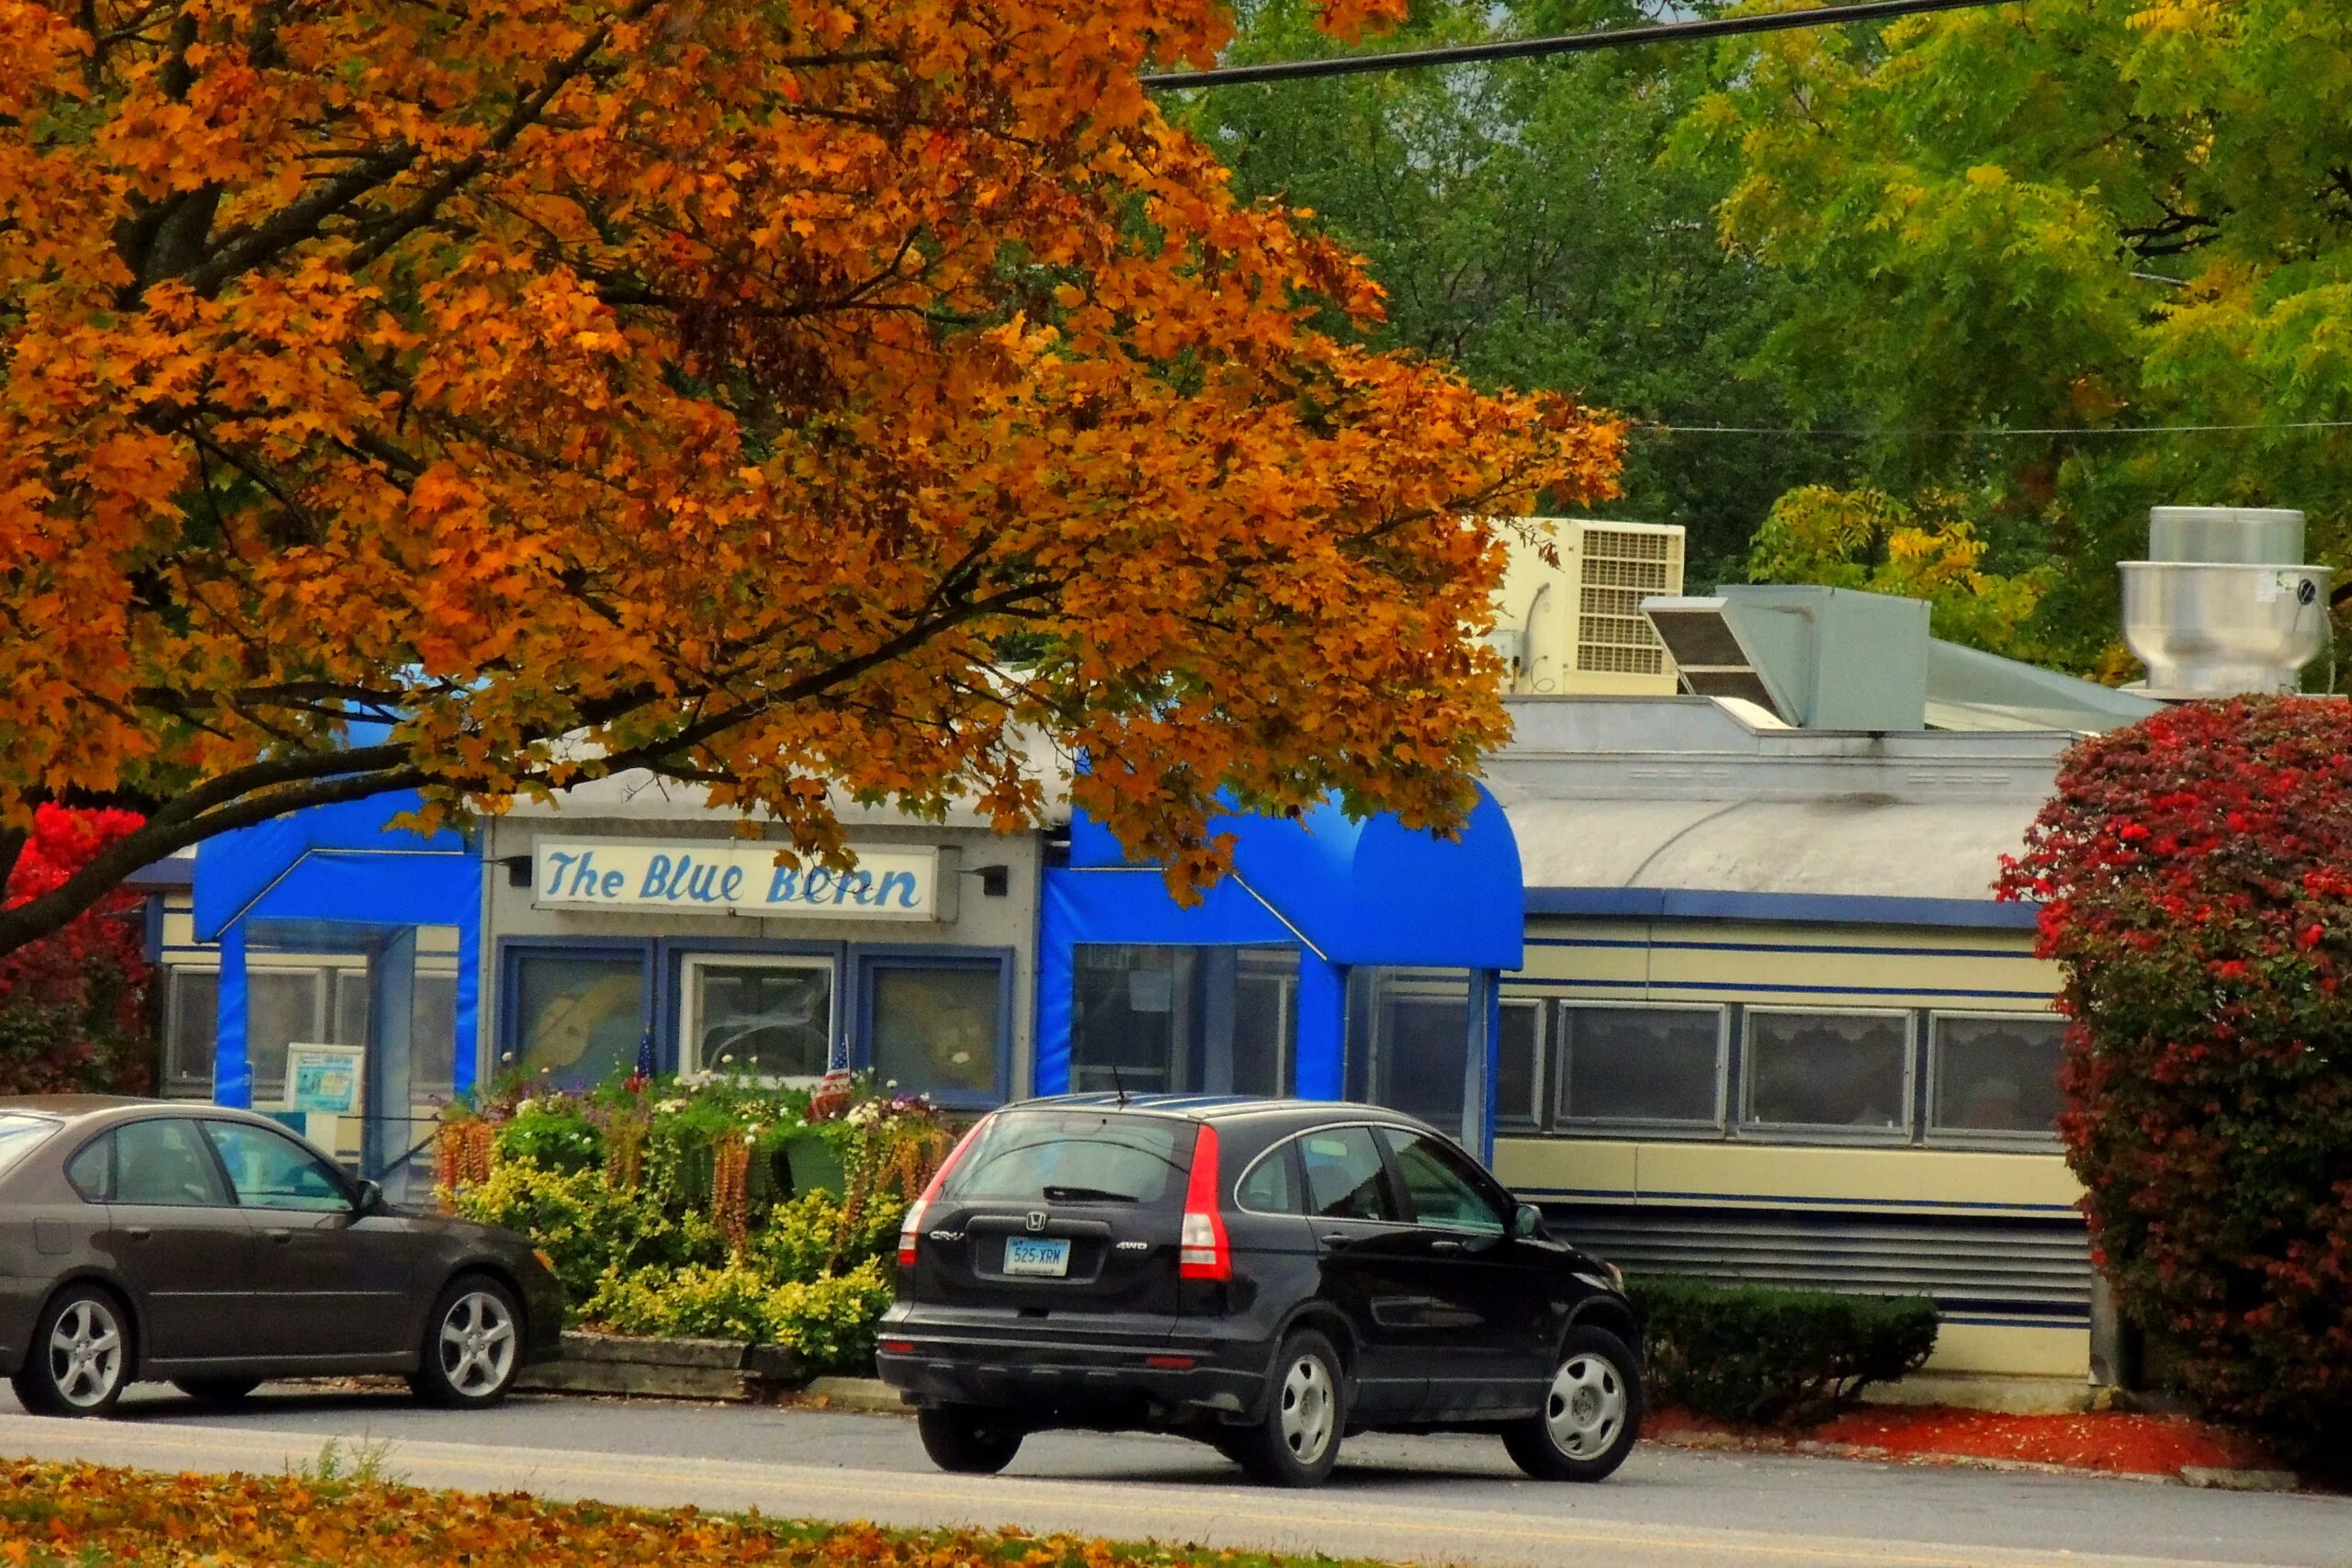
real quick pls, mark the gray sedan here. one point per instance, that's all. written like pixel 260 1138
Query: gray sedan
pixel 149 1239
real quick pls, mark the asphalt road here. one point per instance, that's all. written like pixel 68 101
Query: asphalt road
pixel 1455 1500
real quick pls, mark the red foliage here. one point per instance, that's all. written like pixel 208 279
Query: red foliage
pixel 76 1003
pixel 2195 874
pixel 2127 1443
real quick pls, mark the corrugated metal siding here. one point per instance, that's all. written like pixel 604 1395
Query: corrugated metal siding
pixel 1984 1266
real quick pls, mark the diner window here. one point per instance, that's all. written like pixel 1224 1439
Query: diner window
pixel 191 1027
pixel 760 1017
pixel 350 1023
pixel 579 1018
pixel 1408 1039
pixel 1658 1066
pixel 1828 1073
pixel 1993 1076
pixel 1519 1066
pixel 935 1029
pixel 1192 1020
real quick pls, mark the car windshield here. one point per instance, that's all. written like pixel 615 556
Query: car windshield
pixel 21 1134
pixel 1073 1156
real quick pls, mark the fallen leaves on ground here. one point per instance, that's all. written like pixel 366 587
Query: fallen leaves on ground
pixel 2124 1442
pixel 54 1515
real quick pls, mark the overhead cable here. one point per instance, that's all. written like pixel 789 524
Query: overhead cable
pixel 1570 43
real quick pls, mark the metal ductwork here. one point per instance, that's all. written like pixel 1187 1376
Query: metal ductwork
pixel 2224 604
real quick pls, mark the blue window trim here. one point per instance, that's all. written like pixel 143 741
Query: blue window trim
pixel 512 950
pixel 867 958
pixel 670 957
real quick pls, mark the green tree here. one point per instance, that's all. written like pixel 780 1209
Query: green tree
pixel 1520 221
pixel 2084 216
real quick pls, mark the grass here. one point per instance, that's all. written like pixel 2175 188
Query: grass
pixel 348 1508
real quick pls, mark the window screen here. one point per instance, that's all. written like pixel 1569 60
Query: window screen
pixel 1996 1075
pixel 1190 1019
pixel 281 1006
pixel 1408 1040
pixel 1641 1064
pixel 433 1038
pixel 935 1029
pixel 578 1019
pixel 1827 1070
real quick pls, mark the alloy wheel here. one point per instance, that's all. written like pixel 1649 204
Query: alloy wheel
pixel 477 1343
pixel 1586 1406
pixel 1308 1407
pixel 85 1353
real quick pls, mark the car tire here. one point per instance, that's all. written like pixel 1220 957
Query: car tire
pixel 1591 1414
pixel 216 1390
pixel 473 1346
pixel 964 1440
pixel 80 1358
pixel 1297 1439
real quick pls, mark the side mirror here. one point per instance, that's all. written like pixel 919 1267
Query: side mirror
pixel 371 1199
pixel 1527 1223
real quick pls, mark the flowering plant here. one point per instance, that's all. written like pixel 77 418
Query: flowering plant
pixel 2195 873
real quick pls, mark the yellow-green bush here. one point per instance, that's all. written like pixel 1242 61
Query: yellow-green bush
pixel 828 1320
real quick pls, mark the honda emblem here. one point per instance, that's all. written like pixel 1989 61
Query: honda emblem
pixel 1036 1219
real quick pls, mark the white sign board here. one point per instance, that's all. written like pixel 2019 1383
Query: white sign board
pixel 720 876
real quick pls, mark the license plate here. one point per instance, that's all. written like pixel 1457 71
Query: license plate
pixel 1024 1255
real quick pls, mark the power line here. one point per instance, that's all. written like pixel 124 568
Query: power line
pixel 1571 43
pixel 1645 426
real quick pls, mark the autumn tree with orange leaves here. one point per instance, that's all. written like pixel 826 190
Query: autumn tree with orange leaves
pixel 808 400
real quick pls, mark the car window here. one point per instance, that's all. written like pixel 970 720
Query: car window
pixel 270 1170
pixel 1345 1180
pixel 164 1161
pixel 1272 1184
pixel 91 1170
pixel 1074 1156
pixel 1442 1185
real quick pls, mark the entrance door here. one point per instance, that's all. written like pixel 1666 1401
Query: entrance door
pixel 328 1282
pixel 180 1243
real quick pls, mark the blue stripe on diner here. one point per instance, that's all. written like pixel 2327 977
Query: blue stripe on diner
pixel 2008 954
pixel 1512 978
pixel 1783 1201
pixel 1835 908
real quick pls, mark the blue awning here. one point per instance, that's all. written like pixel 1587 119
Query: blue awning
pixel 1355 892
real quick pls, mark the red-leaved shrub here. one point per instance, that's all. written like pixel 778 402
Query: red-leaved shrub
pixel 2195 874
pixel 74 1005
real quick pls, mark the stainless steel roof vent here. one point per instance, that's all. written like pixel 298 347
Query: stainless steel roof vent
pixel 2225 604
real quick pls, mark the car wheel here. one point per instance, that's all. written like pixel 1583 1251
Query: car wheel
pixel 80 1356
pixel 1592 1412
pixel 216 1390
pixel 968 1440
pixel 1297 1441
pixel 474 1345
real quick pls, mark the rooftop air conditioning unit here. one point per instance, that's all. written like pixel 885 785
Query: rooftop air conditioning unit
pixel 1578 628
pixel 2224 604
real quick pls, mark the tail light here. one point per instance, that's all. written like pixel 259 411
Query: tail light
pixel 910 1227
pixel 1201 1251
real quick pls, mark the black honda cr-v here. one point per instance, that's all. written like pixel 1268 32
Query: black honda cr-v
pixel 1266 1276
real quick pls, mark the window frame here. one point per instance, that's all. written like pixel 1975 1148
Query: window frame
pixel 1935 1136
pixel 867 960
pixel 1903 1134
pixel 514 950
pixel 1539 1116
pixel 684 1010
pixel 1562 1048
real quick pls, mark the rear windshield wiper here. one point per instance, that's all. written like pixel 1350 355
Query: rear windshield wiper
pixel 1087 1195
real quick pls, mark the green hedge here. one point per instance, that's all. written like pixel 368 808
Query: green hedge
pixel 1759 1353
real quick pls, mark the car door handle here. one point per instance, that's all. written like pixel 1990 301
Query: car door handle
pixel 1333 1240
pixel 279 1234
pixel 137 1233
pixel 1443 1245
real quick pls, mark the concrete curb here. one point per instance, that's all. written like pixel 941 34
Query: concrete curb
pixel 726 1369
